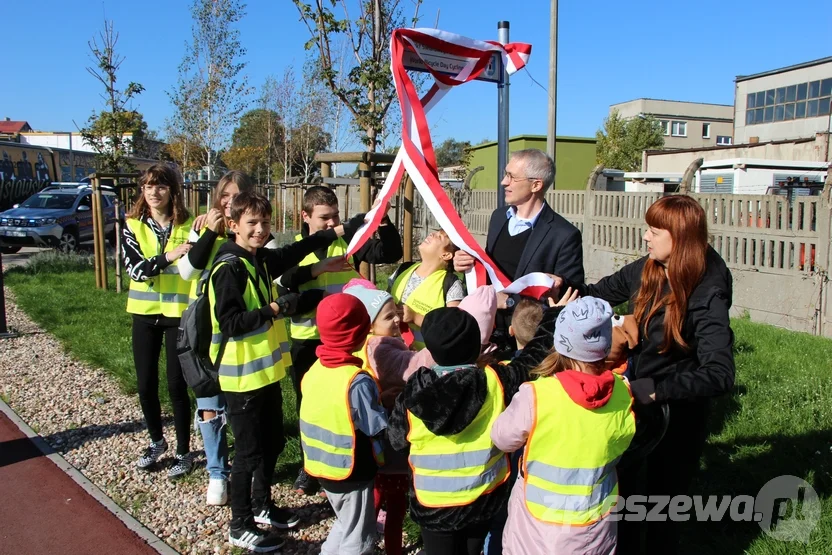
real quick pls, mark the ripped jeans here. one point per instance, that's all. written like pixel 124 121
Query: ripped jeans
pixel 213 435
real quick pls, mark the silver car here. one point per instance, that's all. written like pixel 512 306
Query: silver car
pixel 59 216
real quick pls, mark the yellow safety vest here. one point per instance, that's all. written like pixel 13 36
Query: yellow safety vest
pixel 365 359
pixel 285 347
pixel 167 293
pixel 426 297
pixel 304 326
pixel 571 454
pixel 451 471
pixel 255 359
pixel 327 432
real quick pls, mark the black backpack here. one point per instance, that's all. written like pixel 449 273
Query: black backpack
pixel 447 283
pixel 194 339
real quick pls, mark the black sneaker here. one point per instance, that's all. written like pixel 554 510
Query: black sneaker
pixel 274 516
pixel 152 454
pixel 254 539
pixel 183 465
pixel 305 484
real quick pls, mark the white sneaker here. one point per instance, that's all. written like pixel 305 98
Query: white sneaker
pixel 217 491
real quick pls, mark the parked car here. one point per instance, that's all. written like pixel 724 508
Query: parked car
pixel 59 216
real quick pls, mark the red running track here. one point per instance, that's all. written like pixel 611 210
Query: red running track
pixel 42 510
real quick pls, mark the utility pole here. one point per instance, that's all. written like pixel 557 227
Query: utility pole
pixel 551 138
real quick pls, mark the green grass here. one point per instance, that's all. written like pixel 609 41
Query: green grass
pixel 778 420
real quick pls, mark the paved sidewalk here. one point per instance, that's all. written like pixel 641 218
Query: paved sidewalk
pixel 44 510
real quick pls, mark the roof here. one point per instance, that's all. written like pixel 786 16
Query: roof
pixel 734 146
pixel 677 101
pixel 12 127
pixel 817 62
pixel 559 138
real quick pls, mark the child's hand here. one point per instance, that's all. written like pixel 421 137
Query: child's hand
pixel 213 219
pixel 567 298
pixel 178 252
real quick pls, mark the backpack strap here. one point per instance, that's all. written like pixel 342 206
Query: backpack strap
pixel 448 282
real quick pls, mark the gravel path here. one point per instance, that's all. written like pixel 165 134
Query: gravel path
pixel 82 414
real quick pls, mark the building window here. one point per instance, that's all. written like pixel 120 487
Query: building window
pixel 665 127
pixel 803 100
pixel 723 140
pixel 679 129
pixel 706 130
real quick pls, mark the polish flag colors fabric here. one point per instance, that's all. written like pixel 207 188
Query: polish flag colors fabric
pixel 416 155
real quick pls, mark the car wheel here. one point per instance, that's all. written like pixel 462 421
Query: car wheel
pixel 10 250
pixel 69 241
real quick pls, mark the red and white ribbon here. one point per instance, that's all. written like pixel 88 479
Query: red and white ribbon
pixel 416 155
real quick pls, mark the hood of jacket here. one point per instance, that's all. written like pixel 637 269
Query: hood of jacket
pixel 447 404
pixel 587 390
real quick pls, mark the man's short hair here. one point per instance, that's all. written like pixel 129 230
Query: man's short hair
pixel 318 195
pixel 538 165
pixel 525 320
pixel 250 201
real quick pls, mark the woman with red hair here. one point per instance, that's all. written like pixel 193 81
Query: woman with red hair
pixel 680 294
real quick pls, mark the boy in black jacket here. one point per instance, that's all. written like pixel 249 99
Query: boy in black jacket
pixel 249 361
pixel 320 212
pixel 447 399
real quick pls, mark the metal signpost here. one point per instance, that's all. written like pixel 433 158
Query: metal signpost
pixel 494 73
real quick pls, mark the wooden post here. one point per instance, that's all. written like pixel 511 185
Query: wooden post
pixel 99 253
pixel 116 206
pixel 407 207
pixel 295 225
pixel 326 169
pixel 364 180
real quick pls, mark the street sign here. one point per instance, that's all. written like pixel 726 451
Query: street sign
pixel 451 65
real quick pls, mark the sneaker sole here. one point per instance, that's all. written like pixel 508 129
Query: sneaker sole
pixel 254 548
pixel 281 526
pixel 223 501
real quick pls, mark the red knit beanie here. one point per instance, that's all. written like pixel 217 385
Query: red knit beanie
pixel 342 322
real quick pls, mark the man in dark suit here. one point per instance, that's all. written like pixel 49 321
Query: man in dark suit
pixel 528 236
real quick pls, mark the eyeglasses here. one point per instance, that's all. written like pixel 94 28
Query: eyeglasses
pixel 159 188
pixel 512 178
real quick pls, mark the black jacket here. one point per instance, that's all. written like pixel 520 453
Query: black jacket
pixel 448 404
pixel 554 247
pixel 230 308
pixel 707 368
pixel 387 249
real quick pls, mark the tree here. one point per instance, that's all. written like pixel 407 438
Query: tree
pixel 212 89
pixel 111 132
pixel 452 153
pixel 255 143
pixel 368 90
pixel 621 142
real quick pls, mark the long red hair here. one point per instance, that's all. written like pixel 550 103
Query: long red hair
pixel 685 219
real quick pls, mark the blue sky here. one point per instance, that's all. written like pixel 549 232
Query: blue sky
pixel 609 52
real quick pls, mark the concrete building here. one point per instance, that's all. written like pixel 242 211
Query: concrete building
pixel 814 149
pixel 575 160
pixel 74 141
pixel 685 124
pixel 784 104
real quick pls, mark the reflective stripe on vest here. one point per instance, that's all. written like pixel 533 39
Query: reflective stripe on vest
pixel 304 326
pixel 455 470
pixel 427 296
pixel 327 432
pixel 571 454
pixel 167 293
pixel 254 359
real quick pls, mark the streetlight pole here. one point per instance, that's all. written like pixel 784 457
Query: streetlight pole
pixel 551 137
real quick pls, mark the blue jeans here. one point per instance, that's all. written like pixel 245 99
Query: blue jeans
pixel 494 539
pixel 213 435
